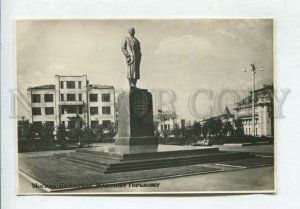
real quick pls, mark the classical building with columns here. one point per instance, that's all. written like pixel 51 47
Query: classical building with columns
pixel 72 102
pixel 264 112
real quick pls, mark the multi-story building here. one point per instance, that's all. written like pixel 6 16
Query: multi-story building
pixel 264 112
pixel 166 120
pixel 72 102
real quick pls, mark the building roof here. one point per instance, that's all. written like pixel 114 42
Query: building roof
pixel 226 111
pixel 49 86
pixel 265 92
pixel 101 87
pixel 226 114
pixel 264 88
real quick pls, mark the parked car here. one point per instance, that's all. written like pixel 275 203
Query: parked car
pixel 172 136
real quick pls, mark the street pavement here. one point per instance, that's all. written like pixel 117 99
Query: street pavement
pixel 260 178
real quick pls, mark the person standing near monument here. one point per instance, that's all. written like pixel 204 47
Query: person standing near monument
pixel 132 51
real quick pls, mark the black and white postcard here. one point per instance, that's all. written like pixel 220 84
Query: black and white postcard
pixel 144 106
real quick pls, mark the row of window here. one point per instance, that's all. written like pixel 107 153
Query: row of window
pixel 104 98
pixel 72 123
pixel 70 97
pixel 70 109
pixel 38 111
pixel 95 111
pixel 249 122
pixel 70 84
pixel 165 126
pixel 36 98
pixel 249 132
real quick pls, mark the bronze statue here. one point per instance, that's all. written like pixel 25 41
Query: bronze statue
pixel 132 51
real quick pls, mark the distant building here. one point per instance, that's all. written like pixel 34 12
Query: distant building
pixel 166 120
pixel 72 102
pixel 264 112
pixel 224 117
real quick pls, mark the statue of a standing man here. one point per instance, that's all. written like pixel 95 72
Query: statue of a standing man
pixel 132 51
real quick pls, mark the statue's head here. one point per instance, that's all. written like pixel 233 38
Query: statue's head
pixel 131 31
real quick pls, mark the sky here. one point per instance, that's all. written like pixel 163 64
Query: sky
pixel 179 57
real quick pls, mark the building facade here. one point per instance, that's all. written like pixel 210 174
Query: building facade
pixel 264 112
pixel 165 120
pixel 72 102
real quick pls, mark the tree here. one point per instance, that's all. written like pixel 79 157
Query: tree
pixel 205 129
pixel 196 129
pixel 87 135
pixel 46 132
pixel 176 130
pixel 238 126
pixel 30 136
pixel 227 128
pixel 98 130
pixel 61 135
pixel 214 126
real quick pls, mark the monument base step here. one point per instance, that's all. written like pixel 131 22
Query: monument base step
pixel 117 159
pixel 135 141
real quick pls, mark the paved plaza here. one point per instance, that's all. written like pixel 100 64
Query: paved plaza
pixel 241 175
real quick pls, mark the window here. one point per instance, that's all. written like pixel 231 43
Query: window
pixel 62 97
pixel 63 123
pixel 79 97
pixel 36 98
pixel 94 110
pixel 49 110
pixel 71 97
pixel 106 110
pixel 71 109
pixel 36 111
pixel 94 123
pixel 105 97
pixel 106 123
pixel 79 84
pixel 61 84
pixel 48 97
pixel 70 84
pixel 93 97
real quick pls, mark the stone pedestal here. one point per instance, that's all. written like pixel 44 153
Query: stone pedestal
pixel 135 118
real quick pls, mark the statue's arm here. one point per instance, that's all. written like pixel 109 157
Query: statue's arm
pixel 124 48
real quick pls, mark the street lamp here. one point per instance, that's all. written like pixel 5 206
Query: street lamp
pixel 253 69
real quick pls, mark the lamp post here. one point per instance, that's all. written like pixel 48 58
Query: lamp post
pixel 253 70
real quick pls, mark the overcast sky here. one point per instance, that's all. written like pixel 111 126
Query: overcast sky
pixel 180 55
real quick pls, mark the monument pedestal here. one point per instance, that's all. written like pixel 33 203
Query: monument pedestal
pixel 135 118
